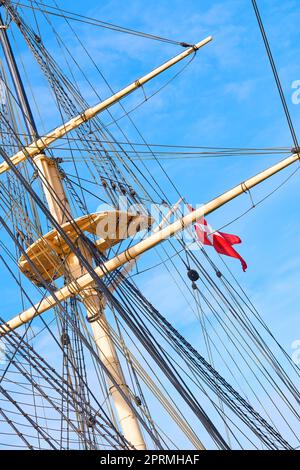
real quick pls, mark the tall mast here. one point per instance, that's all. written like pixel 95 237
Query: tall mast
pixel 60 209
pixel 65 252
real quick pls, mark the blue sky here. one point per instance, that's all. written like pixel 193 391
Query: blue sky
pixel 227 98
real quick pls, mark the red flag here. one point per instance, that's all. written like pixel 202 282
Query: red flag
pixel 222 242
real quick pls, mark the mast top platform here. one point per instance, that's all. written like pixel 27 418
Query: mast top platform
pixel 49 252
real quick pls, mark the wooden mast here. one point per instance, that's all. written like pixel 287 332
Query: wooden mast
pixel 60 209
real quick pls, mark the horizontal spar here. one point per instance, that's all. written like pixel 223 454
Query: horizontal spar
pixel 134 251
pixel 43 142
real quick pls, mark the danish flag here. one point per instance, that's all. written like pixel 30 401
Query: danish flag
pixel 222 242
